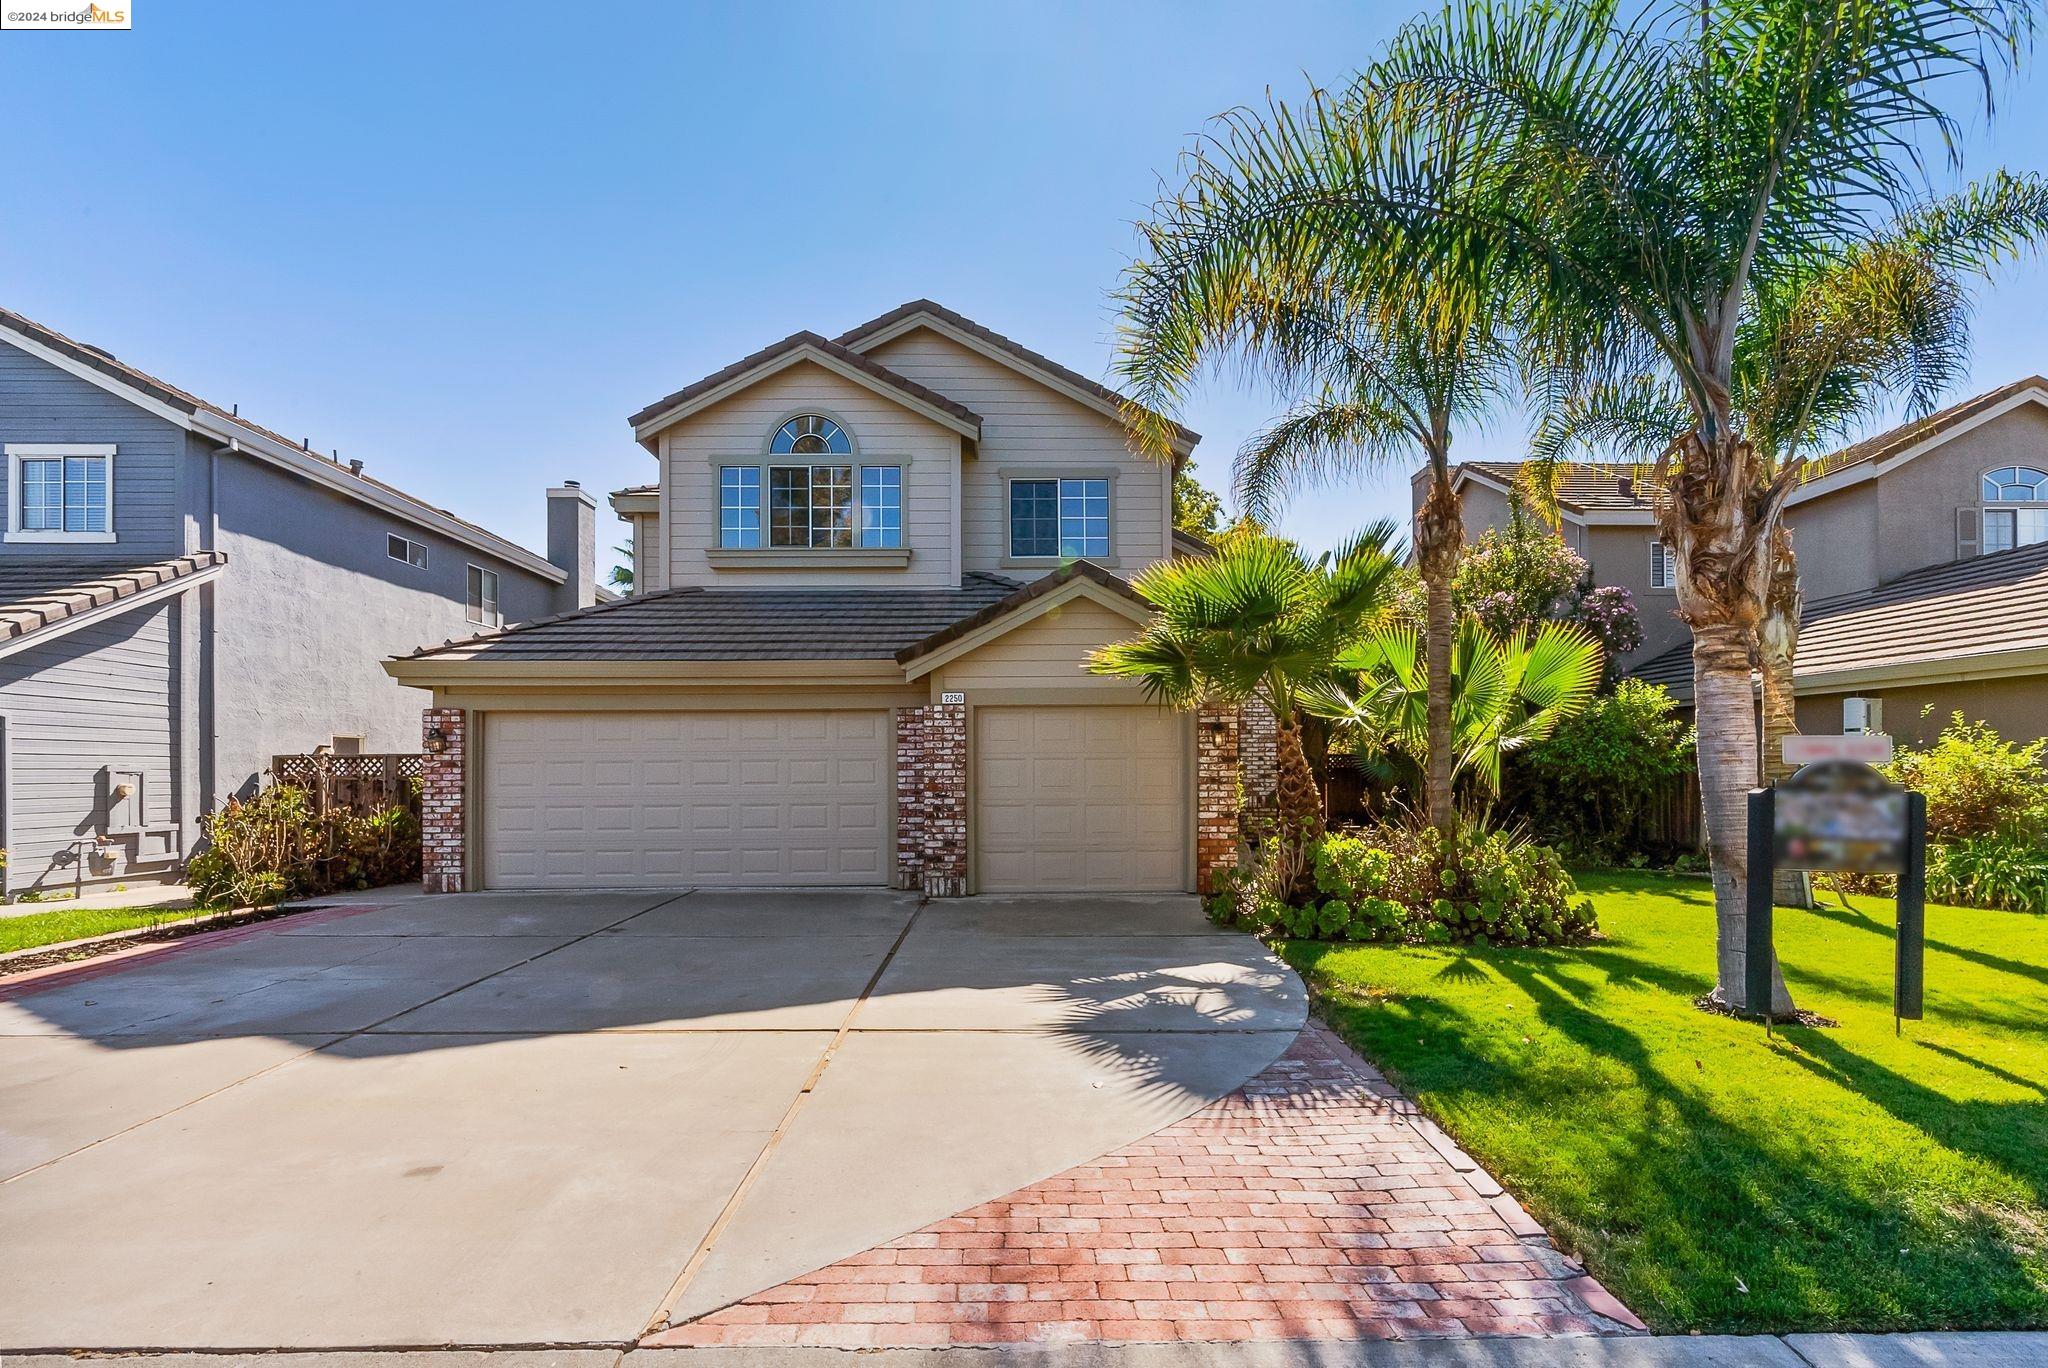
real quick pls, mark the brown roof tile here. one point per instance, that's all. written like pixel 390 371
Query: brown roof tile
pixel 1003 607
pixel 37 593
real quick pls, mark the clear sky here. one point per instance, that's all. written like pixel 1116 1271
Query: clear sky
pixel 462 242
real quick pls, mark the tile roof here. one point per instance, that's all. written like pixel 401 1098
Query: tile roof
pixel 166 393
pixel 37 593
pixel 1895 440
pixel 1036 360
pixel 837 351
pixel 741 624
pixel 1581 486
pixel 1957 612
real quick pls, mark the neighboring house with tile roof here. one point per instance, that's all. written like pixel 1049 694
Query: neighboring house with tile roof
pixel 184 594
pixel 1921 590
pixel 866 582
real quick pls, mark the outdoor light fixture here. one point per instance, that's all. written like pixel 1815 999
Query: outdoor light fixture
pixel 437 741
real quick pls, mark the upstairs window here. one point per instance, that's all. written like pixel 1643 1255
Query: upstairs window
pixel 810 435
pixel 834 503
pixel 2014 526
pixel 406 549
pixel 810 506
pixel 60 492
pixel 881 507
pixel 483 597
pixel 1663 567
pixel 1065 518
pixel 739 507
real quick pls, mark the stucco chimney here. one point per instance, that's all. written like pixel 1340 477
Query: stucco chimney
pixel 572 544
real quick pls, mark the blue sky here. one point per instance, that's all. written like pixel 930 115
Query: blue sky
pixel 463 242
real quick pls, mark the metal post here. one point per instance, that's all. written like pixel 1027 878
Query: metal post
pixel 1758 954
pixel 1909 946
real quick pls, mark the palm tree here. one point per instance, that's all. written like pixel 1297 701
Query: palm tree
pixel 1883 321
pixel 1649 184
pixel 1256 619
pixel 1507 692
pixel 621 576
pixel 1382 377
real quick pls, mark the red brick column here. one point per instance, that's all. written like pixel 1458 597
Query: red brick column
pixel 1217 784
pixel 1258 758
pixel 441 815
pixel 910 729
pixel 942 786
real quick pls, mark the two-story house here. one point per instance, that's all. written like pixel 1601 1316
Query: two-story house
pixel 866 583
pixel 184 594
pixel 1923 558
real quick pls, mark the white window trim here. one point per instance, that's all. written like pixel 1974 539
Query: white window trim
pixel 426 552
pixel 1667 562
pixel 483 617
pixel 17 452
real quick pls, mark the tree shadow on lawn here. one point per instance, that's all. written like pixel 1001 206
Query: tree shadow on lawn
pixel 1854 916
pixel 1699 1216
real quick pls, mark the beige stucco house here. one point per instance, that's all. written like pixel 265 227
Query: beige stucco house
pixel 1923 556
pixel 867 576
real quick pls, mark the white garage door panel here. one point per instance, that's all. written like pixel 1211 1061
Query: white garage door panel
pixel 638 799
pixel 1089 799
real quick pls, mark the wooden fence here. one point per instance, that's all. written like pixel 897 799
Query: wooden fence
pixel 1674 820
pixel 360 783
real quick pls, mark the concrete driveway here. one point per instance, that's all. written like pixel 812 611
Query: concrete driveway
pixel 503 1119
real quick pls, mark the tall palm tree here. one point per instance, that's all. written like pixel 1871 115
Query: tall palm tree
pixel 1256 619
pixel 1649 180
pixel 1380 376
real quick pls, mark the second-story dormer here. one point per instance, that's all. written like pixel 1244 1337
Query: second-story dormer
pixel 914 449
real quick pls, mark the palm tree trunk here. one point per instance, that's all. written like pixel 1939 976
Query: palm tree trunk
pixel 1439 531
pixel 1299 802
pixel 1777 645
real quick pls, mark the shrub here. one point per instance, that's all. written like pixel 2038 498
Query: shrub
pixel 2003 873
pixel 1525 576
pixel 1976 783
pixel 1404 882
pixel 1589 786
pixel 263 850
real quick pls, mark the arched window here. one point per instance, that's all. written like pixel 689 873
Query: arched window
pixel 810 435
pixel 2006 528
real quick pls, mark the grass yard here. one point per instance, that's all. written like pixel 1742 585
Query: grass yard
pixel 67 924
pixel 1716 1180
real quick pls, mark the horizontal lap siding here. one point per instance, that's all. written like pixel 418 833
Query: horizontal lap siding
pixel 1026 425
pixel 100 696
pixel 1051 651
pixel 737 430
pixel 40 403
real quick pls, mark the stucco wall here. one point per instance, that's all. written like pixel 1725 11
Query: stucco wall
pixel 1917 501
pixel 309 606
pixel 40 403
pixel 1836 539
pixel 100 696
pixel 2017 707
pixel 1621 556
pixel 1028 428
pixel 737 432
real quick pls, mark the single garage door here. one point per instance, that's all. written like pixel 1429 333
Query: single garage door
pixel 580 800
pixel 1081 799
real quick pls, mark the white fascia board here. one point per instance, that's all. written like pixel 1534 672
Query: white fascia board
pixel 1871 470
pixel 322 471
pixel 1003 357
pixel 111 609
pixel 93 375
pixel 776 365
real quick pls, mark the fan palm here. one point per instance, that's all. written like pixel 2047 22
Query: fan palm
pixel 1256 619
pixel 1648 180
pixel 1507 693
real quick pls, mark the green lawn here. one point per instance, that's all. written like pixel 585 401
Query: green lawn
pixel 67 924
pixel 1716 1180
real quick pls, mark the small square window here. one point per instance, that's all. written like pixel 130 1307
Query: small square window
pixel 1663 567
pixel 1065 518
pixel 62 492
pixel 483 597
pixel 406 549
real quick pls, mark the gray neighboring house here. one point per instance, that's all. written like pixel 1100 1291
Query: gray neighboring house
pixel 1923 556
pixel 184 594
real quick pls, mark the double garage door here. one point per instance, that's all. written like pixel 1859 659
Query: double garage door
pixel 1063 799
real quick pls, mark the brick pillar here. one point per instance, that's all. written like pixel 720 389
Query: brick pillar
pixel 1217 783
pixel 1258 750
pixel 441 815
pixel 942 771
pixel 910 730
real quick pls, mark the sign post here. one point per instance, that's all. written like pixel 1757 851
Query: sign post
pixel 1758 946
pixel 1909 949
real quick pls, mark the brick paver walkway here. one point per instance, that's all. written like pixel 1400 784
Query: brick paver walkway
pixel 1313 1203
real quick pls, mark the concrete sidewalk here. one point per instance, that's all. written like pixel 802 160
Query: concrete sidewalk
pixel 1988 1349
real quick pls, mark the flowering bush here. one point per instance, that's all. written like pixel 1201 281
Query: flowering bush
pixel 1405 882
pixel 1524 576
